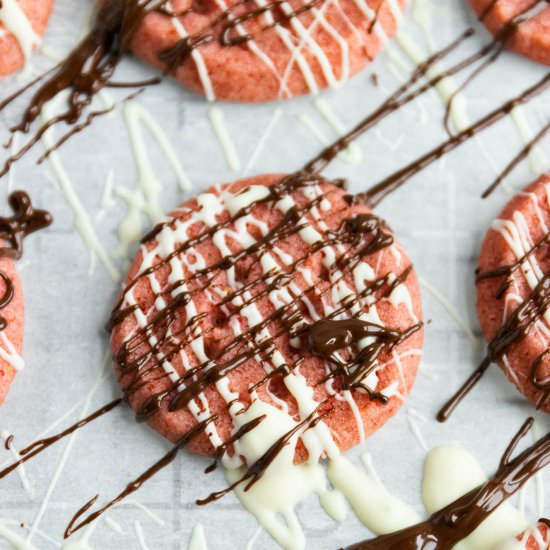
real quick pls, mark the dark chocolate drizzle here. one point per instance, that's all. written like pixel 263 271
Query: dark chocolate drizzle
pixel 497 46
pixel 222 28
pixel 91 65
pixel 88 69
pixel 406 94
pixel 76 525
pixel 24 221
pixel 8 442
pixel 456 521
pixel 6 298
pixel 327 337
pixel 30 451
pixel 542 384
pixel 521 156
pixel 255 471
pixel 381 190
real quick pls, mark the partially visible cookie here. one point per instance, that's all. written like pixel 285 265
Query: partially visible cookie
pixel 536 537
pixel 22 22
pixel 12 319
pixel 513 291
pixel 279 289
pixel 206 46
pixel 530 37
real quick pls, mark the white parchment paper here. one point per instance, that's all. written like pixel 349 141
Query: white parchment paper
pixel 438 216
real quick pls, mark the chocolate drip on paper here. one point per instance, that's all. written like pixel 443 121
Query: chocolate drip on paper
pixel 405 94
pixel 30 451
pixel 496 47
pixel 381 190
pixel 77 523
pixel 8 442
pixel 396 100
pixel 252 474
pixel 446 411
pixel 83 74
pixel 445 528
pixel 521 156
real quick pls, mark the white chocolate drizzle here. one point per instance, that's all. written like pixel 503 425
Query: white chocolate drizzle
pixel 452 311
pixel 539 162
pixel 6 436
pixel 82 220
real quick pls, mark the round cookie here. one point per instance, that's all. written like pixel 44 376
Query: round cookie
pixel 241 282
pixel 513 291
pixel 22 22
pixel 287 56
pixel 12 317
pixel 531 37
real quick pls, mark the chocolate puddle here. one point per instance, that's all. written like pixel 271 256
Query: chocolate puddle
pixel 13 229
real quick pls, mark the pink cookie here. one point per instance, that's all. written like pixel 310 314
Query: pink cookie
pixel 531 37
pixel 514 291
pixel 286 56
pixel 35 12
pixel 236 289
pixel 12 316
pixel 537 537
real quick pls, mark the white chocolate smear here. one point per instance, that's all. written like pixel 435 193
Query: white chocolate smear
pixel 197 541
